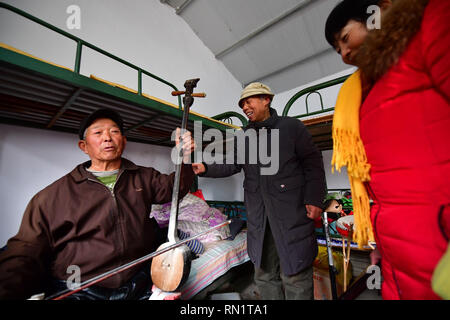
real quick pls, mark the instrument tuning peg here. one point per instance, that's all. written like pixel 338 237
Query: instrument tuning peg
pixel 195 95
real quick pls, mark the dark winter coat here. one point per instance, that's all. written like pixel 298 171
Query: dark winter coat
pixel 280 198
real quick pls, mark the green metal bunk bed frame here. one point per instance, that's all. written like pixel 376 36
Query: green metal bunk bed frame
pixel 39 94
pixel 319 125
pixel 308 91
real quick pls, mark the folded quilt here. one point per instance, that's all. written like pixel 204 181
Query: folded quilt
pixel 194 216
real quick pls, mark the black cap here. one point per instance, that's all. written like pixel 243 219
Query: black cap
pixel 98 114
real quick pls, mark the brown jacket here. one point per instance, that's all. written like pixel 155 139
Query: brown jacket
pixel 78 221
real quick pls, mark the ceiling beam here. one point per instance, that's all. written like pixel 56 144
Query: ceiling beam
pixel 263 28
pixel 292 65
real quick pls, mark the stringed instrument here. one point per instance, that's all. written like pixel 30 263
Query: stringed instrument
pixel 101 277
pixel 170 270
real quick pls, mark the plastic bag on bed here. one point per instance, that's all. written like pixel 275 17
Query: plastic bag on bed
pixel 194 216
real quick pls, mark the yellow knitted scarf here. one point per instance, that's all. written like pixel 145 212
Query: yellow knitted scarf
pixel 348 150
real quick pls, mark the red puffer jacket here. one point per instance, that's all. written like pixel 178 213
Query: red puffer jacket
pixel 405 128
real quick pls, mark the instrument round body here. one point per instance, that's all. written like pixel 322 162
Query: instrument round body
pixel 170 270
pixel 344 225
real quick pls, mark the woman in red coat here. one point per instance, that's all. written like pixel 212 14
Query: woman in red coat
pixel 403 122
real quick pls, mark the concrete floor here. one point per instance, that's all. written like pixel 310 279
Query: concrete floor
pixel 239 285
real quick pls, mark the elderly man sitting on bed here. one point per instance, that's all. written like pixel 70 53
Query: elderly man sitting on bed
pixel 91 220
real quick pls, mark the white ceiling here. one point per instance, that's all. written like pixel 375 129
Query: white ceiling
pixel 278 42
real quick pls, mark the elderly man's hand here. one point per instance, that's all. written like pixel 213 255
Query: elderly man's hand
pixel 188 144
pixel 313 212
pixel 198 168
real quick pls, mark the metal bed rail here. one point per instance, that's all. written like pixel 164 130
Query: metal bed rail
pixel 233 209
pixel 309 91
pixel 226 117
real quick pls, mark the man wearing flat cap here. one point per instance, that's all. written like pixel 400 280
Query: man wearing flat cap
pixel 282 205
pixel 92 220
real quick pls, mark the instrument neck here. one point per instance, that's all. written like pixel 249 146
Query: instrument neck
pixel 172 234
